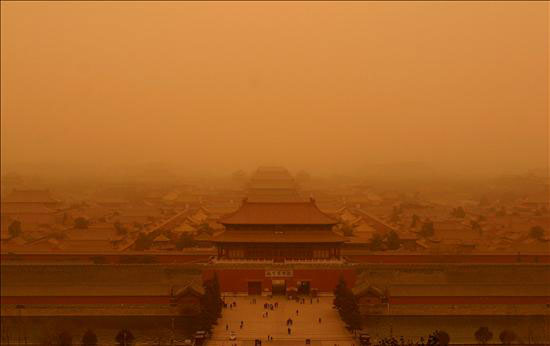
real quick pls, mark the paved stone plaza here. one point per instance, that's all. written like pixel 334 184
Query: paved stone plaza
pixel 331 331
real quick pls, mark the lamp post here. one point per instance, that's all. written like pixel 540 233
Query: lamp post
pixel 19 308
pixel 173 332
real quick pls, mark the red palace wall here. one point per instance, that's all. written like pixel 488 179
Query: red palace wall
pixel 163 300
pixel 469 300
pixel 107 258
pixel 380 258
pixel 449 258
pixel 324 280
pixel 69 300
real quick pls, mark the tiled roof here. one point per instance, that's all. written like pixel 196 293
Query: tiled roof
pixel 161 238
pixel 191 286
pixel 272 184
pixel 278 173
pixel 269 197
pixel 93 233
pixel 295 213
pixel 203 237
pixel 366 289
pixel 86 245
pixel 184 228
pixel 278 237
pixel 140 211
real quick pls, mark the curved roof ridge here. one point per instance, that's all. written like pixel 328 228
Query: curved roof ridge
pixel 282 213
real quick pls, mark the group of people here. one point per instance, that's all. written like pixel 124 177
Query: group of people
pixel 268 306
pixel 303 300
pixel 240 326
pixel 271 306
pixel 231 305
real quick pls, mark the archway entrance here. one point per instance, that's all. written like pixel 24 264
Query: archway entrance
pixel 278 287
pixel 304 287
pixel 254 288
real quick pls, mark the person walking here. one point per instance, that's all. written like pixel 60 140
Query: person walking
pixel 296 312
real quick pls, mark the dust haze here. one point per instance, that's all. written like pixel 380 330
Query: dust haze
pixel 94 88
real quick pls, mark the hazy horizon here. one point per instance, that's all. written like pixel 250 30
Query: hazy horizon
pixel 95 88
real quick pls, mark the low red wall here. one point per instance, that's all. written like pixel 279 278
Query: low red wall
pixel 468 300
pixel 367 258
pixel 396 300
pixel 116 300
pixel 108 258
pixel 458 259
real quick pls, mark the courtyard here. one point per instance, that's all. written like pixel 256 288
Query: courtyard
pixel 256 325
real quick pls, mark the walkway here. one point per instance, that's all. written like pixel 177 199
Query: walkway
pixel 306 324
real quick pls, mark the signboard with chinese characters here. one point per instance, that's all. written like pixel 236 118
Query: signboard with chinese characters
pixel 279 273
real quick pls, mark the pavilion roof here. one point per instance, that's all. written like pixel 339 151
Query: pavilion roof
pixel 161 238
pixel 278 213
pixel 274 196
pixel 256 183
pixel 193 287
pixel 366 289
pixel 272 172
pixel 278 237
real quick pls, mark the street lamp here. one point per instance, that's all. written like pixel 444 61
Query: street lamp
pixel 19 308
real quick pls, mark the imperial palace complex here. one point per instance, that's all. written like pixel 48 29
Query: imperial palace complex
pixel 278 242
pixel 270 238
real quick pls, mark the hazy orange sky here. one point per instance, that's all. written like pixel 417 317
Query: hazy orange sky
pixel 314 85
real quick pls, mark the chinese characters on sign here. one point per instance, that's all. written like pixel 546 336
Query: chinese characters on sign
pixel 278 273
